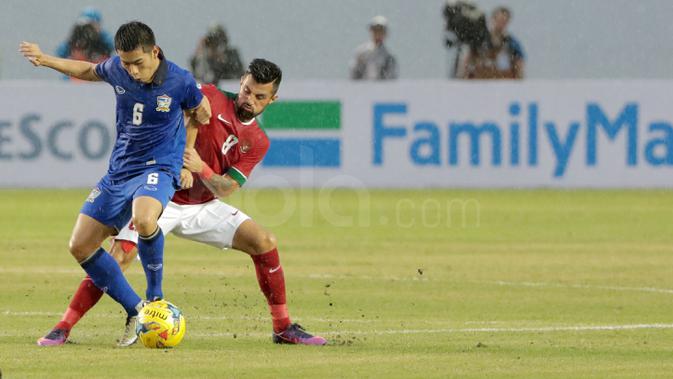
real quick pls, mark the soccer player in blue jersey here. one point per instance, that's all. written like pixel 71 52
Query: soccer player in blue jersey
pixel 144 169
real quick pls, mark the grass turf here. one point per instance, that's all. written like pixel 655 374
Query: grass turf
pixel 404 284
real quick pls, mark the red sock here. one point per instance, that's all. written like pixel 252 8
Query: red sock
pixel 272 283
pixel 86 296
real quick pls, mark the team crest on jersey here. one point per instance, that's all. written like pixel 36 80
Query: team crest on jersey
pixel 93 195
pixel 164 103
pixel 120 90
pixel 244 146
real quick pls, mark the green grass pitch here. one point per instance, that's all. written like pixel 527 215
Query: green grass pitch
pixel 465 284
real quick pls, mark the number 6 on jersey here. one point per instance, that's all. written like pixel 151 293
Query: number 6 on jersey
pixel 153 178
pixel 138 113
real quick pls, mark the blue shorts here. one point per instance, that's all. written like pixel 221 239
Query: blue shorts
pixel 110 202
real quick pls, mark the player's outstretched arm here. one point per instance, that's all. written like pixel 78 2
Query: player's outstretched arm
pixel 220 185
pixel 77 69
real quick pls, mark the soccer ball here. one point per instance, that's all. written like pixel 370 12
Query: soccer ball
pixel 160 325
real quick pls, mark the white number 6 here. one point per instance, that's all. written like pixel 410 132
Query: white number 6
pixel 138 113
pixel 153 178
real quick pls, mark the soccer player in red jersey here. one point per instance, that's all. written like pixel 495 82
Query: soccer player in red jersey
pixel 225 153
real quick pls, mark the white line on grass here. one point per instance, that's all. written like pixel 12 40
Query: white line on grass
pixel 226 275
pixel 369 277
pixel 583 286
pixel 547 329
pixel 195 317
pixel 541 329
pixel 346 333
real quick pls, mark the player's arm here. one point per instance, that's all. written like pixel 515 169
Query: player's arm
pixel 78 69
pixel 202 112
pixel 186 177
pixel 192 130
pixel 220 185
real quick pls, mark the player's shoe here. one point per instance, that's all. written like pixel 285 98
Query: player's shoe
pixel 56 337
pixel 296 335
pixel 130 334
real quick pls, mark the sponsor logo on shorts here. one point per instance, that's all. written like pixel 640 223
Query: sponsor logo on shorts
pixel 93 195
pixel 151 188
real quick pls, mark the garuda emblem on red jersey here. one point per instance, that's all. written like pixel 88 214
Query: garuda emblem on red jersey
pixel 164 103
pixel 244 146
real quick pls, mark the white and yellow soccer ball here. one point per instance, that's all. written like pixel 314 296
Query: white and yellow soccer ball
pixel 160 325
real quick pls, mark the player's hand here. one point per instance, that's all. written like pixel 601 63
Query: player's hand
pixel 32 52
pixel 186 179
pixel 192 161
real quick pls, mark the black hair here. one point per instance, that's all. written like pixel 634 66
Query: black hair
pixel 132 35
pixel 264 72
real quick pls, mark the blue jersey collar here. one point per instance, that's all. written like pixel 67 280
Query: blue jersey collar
pixel 162 70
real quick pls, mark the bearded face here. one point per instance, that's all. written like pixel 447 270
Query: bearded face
pixel 253 98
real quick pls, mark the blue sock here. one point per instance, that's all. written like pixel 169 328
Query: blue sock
pixel 151 251
pixel 106 275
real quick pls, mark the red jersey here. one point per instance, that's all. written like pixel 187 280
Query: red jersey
pixel 226 144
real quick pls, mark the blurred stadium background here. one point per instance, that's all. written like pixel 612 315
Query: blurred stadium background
pixel 430 227
pixel 314 40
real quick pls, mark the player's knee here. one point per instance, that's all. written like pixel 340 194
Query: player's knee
pixel 79 249
pixel 266 243
pixel 145 225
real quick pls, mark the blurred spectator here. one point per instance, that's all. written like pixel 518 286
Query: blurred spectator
pixel 372 60
pixel 214 59
pixel 87 40
pixel 86 45
pixel 502 57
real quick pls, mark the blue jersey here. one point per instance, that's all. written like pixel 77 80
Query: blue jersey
pixel 150 125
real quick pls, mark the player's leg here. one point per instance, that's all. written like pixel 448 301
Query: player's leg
pixel 148 204
pixel 85 235
pixel 108 206
pixel 87 295
pixel 85 246
pixel 223 226
pixel 127 241
pixel 105 273
pixel 146 211
pixel 104 211
pixel 261 245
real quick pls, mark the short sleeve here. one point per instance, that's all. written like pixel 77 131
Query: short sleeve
pixel 104 68
pixel 193 95
pixel 241 170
